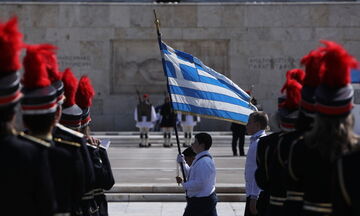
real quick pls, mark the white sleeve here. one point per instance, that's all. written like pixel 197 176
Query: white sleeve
pixel 153 114
pixel 186 169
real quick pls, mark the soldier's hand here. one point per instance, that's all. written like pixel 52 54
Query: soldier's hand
pixel 179 180
pixel 93 141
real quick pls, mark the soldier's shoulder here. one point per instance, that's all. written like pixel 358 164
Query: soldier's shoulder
pixel 67 143
pixel 64 130
pixel 33 140
pixel 269 137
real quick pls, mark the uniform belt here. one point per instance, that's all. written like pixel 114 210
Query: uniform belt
pixel 88 196
pixel 98 191
pixel 294 196
pixel 277 201
pixel 62 214
pixel 318 207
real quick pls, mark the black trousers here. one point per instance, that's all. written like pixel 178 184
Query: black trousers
pixel 235 138
pixel 201 206
pixel 247 208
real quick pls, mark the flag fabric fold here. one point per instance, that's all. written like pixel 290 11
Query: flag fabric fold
pixel 197 89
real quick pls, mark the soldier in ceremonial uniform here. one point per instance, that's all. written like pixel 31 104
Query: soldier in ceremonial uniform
pixel 71 117
pixel 277 160
pixel 70 145
pixel 145 117
pixel 294 190
pixel 104 179
pixel 285 120
pixel 346 186
pixel 168 121
pixel 330 135
pixel 38 108
pixel 23 156
pixel 188 122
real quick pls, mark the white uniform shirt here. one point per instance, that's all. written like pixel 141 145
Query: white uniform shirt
pixel 251 187
pixel 142 121
pixel 201 176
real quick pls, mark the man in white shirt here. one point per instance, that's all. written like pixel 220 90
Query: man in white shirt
pixel 201 177
pixel 255 127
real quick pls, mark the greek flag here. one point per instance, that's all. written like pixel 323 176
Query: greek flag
pixel 197 89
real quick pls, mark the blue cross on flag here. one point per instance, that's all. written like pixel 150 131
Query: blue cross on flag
pixel 197 89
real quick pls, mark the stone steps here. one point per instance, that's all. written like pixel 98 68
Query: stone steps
pixel 167 197
pixel 131 138
pixel 169 193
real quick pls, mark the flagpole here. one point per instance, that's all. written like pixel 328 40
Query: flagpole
pixel 157 24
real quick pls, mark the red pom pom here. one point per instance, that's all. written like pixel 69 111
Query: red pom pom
pixel 293 95
pixel 294 74
pixel 70 87
pixel 10 46
pixel 84 93
pixel 35 73
pixel 337 65
pixel 313 64
pixel 49 52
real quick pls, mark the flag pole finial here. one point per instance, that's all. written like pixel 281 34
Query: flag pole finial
pixel 157 23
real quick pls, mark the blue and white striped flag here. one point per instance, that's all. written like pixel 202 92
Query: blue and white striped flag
pixel 197 89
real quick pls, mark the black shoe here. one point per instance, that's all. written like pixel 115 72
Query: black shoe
pixel 242 154
pixel 235 154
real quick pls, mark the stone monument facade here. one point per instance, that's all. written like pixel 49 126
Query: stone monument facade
pixel 116 45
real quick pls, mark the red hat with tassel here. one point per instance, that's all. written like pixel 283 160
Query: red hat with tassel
pixel 84 96
pixel 10 48
pixel 313 74
pixel 53 71
pixel 334 96
pixel 39 95
pixel 71 113
pixel 289 106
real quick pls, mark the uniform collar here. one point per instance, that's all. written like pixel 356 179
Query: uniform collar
pixel 257 135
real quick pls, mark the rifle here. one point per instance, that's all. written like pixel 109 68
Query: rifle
pixel 138 95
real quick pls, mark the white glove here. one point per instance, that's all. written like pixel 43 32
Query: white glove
pixel 180 158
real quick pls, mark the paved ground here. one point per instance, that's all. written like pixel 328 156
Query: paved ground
pixel 156 165
pixel 169 209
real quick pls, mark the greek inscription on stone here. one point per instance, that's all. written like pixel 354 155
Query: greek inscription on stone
pixel 74 61
pixel 271 63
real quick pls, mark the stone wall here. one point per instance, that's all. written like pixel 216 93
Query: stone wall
pixel 115 44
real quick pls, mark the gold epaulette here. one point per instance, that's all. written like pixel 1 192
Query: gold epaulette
pixel 62 127
pixel 33 139
pixel 59 140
